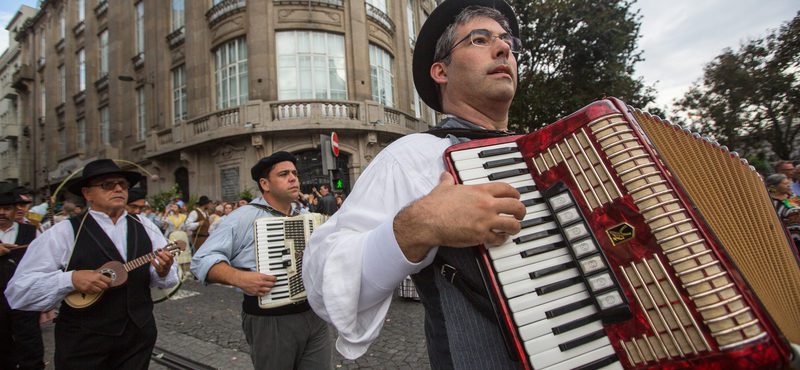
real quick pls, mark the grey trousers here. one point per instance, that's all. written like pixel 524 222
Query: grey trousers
pixel 295 341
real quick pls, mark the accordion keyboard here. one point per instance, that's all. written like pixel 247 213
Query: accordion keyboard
pixel 556 313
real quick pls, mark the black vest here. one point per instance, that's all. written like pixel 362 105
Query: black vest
pixel 132 301
pixel 8 263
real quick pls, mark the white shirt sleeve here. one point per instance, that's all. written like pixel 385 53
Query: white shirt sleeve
pixel 191 221
pixel 158 241
pixel 39 282
pixel 353 263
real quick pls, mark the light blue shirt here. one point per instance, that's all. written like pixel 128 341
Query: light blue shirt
pixel 796 188
pixel 233 241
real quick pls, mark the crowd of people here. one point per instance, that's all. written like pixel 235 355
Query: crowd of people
pixel 783 187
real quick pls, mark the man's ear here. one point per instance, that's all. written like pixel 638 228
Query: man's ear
pixel 264 184
pixel 439 72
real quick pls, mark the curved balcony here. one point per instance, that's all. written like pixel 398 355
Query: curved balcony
pixel 332 3
pixel 223 10
pixel 291 115
pixel 177 37
pixel 380 17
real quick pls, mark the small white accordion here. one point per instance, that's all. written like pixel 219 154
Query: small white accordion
pixel 279 246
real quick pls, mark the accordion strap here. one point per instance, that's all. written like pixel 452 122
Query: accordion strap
pixel 467 133
pixel 477 296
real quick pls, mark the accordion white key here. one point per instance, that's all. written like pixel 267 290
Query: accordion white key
pixel 279 246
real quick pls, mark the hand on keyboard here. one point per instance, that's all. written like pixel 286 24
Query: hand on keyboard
pixel 254 283
pixel 458 216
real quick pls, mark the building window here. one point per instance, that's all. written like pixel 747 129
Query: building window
pixel 43 99
pixel 140 27
pixel 311 65
pixel 62 141
pixel 81 70
pixel 141 126
pixel 81 10
pixel 103 53
pixel 177 14
pixel 81 133
pixel 42 45
pixel 417 103
pixel 105 130
pixel 380 65
pixel 412 28
pixel 62 24
pixel 179 94
pixel 231 73
pixel 380 4
pixel 62 77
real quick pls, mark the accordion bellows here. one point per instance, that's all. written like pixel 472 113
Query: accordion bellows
pixel 732 199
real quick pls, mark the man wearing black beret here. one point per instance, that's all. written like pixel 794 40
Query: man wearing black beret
pixel 286 337
pixel 405 216
pixel 118 331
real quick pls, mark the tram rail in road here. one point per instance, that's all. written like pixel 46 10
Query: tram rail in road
pixel 175 361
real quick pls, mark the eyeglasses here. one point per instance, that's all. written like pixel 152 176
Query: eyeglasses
pixel 111 185
pixel 484 38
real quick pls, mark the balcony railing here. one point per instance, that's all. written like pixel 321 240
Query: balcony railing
pixel 138 60
pixel 79 28
pixel 176 37
pixel 101 8
pixel 101 82
pixel 40 63
pixel 224 9
pixel 333 3
pixel 294 110
pixel 380 17
pixel 60 45
pixel 282 115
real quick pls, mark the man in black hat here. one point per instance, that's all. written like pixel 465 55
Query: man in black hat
pixel 118 330
pixel 136 201
pixel 286 337
pixel 21 343
pixel 198 223
pixel 405 208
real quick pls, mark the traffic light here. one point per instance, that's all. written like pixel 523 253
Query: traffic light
pixel 338 184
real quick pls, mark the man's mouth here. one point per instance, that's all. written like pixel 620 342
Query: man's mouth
pixel 501 69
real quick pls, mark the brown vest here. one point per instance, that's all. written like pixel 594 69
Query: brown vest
pixel 201 233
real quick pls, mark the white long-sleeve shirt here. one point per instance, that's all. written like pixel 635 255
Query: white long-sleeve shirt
pixel 353 262
pixel 191 222
pixel 40 281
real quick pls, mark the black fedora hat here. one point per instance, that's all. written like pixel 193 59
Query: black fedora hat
pixel 135 194
pixel 266 163
pixel 425 48
pixel 203 200
pixel 102 167
pixel 7 195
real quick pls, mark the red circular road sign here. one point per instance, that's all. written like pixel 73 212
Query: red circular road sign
pixel 335 143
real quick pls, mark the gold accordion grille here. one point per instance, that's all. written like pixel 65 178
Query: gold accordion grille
pixel 732 199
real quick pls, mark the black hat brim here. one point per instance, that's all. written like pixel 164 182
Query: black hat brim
pixel 132 177
pixel 425 48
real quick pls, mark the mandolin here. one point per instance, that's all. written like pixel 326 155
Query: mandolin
pixel 118 272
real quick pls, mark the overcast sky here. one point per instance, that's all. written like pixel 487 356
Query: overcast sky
pixel 678 36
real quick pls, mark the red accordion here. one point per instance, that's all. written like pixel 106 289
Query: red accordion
pixel 643 246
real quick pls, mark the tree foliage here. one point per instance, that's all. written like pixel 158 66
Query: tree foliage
pixel 575 51
pixel 749 99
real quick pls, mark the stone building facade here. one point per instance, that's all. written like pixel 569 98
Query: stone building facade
pixel 196 91
pixel 13 150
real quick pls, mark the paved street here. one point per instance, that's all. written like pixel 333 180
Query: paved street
pixel 203 323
